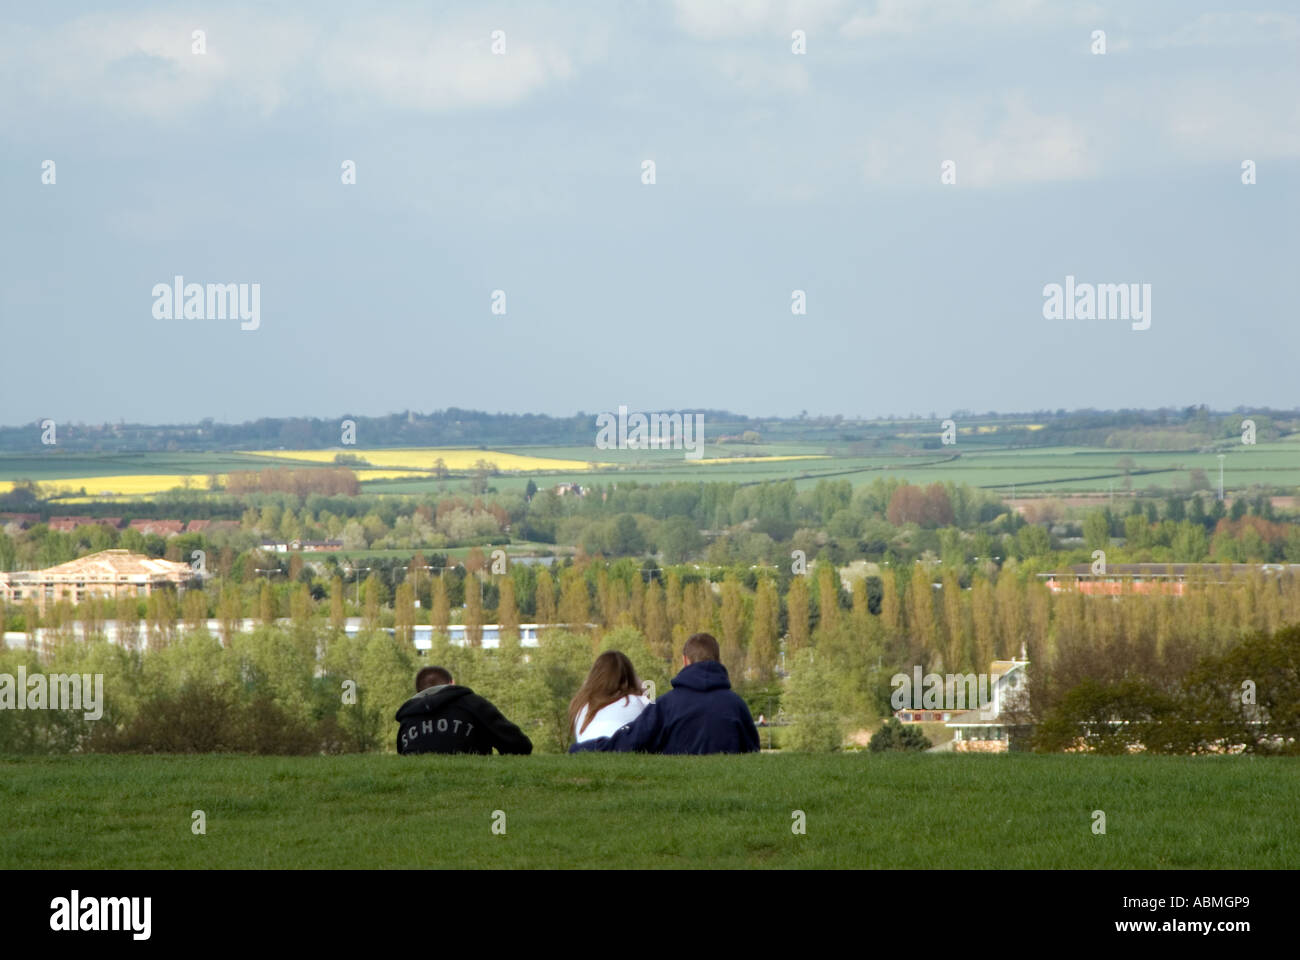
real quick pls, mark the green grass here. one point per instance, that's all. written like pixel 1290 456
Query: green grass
pixel 863 810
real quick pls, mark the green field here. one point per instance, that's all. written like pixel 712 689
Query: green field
pixel 978 462
pixel 862 810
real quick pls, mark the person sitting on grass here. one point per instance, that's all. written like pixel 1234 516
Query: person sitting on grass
pixel 701 714
pixel 609 698
pixel 445 718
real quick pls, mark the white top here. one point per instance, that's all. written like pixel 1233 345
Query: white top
pixel 609 717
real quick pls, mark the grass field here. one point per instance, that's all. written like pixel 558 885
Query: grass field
pixel 862 810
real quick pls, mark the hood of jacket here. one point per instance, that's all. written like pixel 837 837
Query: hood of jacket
pixel 703 676
pixel 432 700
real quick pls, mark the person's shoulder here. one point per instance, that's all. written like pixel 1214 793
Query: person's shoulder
pixel 737 700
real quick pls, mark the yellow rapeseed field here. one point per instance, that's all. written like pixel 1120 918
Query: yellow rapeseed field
pixel 126 484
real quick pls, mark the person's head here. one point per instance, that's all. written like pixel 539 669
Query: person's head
pixel 612 677
pixel 431 677
pixel 701 646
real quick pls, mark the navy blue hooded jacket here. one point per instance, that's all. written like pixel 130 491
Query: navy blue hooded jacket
pixel 701 714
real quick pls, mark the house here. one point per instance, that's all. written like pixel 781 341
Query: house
pixel 988 729
pixel 163 528
pixel 296 546
pixel 1170 579
pixel 23 520
pixel 68 524
pixel 109 573
pixel 211 526
pixel 321 546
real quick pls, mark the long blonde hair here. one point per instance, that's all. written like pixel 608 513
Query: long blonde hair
pixel 612 677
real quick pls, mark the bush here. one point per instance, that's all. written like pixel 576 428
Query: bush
pixel 893 735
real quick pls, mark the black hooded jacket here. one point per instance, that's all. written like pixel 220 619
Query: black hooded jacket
pixel 455 719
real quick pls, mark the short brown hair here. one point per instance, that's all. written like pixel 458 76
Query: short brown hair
pixel 701 646
pixel 431 677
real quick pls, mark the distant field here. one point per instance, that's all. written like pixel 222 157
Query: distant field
pixel 407 471
pixel 600 812
pixel 422 458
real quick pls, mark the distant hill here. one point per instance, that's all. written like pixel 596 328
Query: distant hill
pixel 1183 428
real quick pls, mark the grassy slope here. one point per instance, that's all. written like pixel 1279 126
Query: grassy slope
pixel 630 811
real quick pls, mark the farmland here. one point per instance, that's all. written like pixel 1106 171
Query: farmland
pixel 1030 471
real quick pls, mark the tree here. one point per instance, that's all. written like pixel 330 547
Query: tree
pixel 266 610
pixel 404 614
pixel 796 613
pixel 764 631
pixel 370 607
pixel 195 609
pixel 338 618
pixel 507 615
pixel 828 597
pixel 658 633
pixel 1010 614
pixel 627 537
pixel 920 617
pixel 575 601
pixel 894 736
pixel 808 702
pixel 733 626
pixel 984 621
pixel 679 539
pixel 1096 530
pixel 545 597
pixel 440 605
pixel 473 611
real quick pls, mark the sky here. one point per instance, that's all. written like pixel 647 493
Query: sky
pixel 521 169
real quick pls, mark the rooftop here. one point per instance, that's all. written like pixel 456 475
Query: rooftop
pixel 109 565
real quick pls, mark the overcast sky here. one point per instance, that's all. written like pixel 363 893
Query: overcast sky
pixel 522 172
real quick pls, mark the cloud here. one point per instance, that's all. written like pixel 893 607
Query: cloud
pixel 1233 29
pixel 142 64
pixel 900 17
pixel 993 144
pixel 759 75
pixel 729 19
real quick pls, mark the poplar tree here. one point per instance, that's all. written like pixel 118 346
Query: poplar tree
pixel 545 598
pixel 658 633
pixel 473 611
pixel 828 597
pixel 920 619
pixel 796 615
pixel 370 607
pixel 440 606
pixel 733 626
pixel 984 623
pixel 404 614
pixel 338 616
pixel 507 614
pixel 763 635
